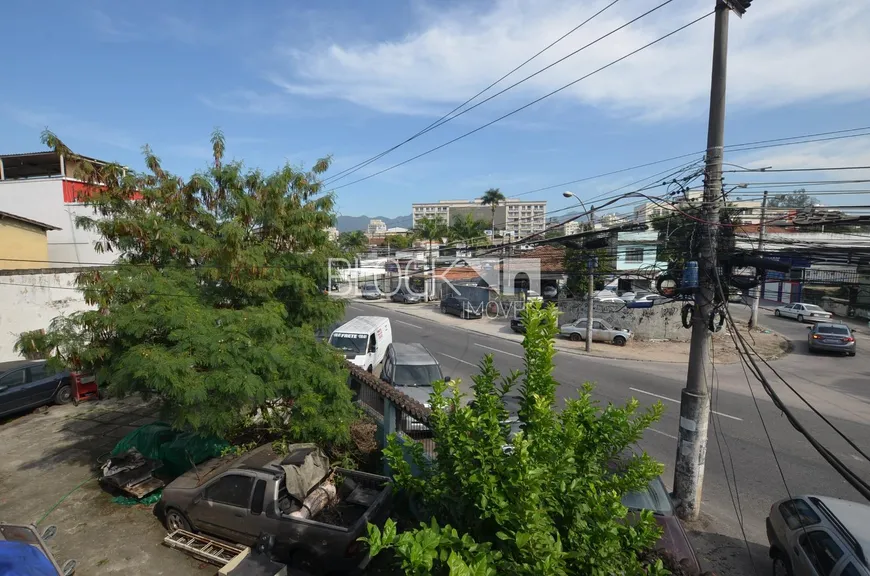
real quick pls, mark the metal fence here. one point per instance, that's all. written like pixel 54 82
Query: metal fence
pixel 393 411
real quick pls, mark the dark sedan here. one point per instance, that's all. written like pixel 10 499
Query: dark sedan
pixel 461 307
pixel 33 384
pixel 828 337
pixel 406 296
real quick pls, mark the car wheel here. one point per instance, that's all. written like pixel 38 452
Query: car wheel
pixel 575 337
pixel 370 369
pixel 800 318
pixel 776 313
pixel 444 310
pixel 780 568
pixel 63 395
pixel 851 353
pixel 619 340
pixel 176 520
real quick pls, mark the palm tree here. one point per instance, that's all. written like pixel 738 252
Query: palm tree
pixel 492 198
pixel 353 242
pixel 467 228
pixel 431 229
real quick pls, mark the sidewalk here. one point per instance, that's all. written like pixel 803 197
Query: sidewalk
pixel 770 346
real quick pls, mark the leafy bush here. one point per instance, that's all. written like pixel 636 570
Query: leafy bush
pixel 552 504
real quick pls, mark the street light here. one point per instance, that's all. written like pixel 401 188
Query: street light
pixel 569 194
pixel 591 264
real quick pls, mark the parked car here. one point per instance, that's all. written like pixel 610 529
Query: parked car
pixel 412 368
pixel 461 307
pixel 819 536
pixel 370 292
pixel 803 312
pixel 237 498
pixel 602 331
pixel 405 296
pixel 608 300
pixel 831 338
pixel 31 385
pixel 645 301
pixel 735 295
pixel 517 323
pixel 627 296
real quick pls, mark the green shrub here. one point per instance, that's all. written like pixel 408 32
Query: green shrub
pixel 550 507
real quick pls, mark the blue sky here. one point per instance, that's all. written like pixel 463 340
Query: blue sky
pixel 293 81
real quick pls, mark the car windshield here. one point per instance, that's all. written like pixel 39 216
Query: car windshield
pixel 353 343
pixel 369 289
pixel 653 497
pixel 839 330
pixel 813 308
pixel 416 375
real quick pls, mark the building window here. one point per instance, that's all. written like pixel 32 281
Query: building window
pixel 634 255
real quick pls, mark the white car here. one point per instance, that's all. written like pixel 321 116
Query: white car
pixel 608 300
pixel 602 331
pixel 803 312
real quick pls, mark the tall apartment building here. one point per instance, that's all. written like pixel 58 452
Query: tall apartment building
pixel 376 228
pixel 515 218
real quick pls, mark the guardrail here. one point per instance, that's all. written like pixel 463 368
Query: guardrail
pixel 393 411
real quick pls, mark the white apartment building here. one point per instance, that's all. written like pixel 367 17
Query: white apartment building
pixel 332 232
pixel 570 228
pixel 376 228
pixel 513 217
pixel 747 211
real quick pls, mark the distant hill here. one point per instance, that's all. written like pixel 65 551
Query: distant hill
pixel 351 223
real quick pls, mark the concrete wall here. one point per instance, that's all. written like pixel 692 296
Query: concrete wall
pixel 41 199
pixel 660 322
pixel 30 300
pixel 22 241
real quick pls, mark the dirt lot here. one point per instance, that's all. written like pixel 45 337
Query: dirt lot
pixel 49 459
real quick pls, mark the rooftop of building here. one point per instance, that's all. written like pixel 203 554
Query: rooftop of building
pixel 28 221
pixel 43 164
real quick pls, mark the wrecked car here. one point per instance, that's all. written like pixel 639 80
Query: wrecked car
pixel 315 512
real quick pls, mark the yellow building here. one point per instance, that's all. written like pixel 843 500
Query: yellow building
pixel 23 242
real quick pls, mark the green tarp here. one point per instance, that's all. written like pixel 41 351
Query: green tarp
pixel 176 451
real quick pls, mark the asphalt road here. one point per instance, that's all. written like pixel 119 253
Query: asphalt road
pixel 741 465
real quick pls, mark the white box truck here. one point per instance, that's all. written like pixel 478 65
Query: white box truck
pixel 364 340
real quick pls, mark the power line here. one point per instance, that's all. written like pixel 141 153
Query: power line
pixel 515 111
pixel 828 169
pixel 449 116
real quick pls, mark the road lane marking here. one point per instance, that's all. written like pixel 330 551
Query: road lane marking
pixel 501 351
pixel 457 359
pixel 677 402
pixel 355 308
pixel 408 324
pixel 662 433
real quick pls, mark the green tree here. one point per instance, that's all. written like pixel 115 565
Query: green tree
pixel 431 229
pixel 353 242
pixel 493 198
pixel 552 506
pixel 213 304
pixel 400 241
pixel 467 229
pixel 577 269
pixel 797 199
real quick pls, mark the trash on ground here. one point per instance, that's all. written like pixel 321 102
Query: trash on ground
pixel 203 547
pixel 176 451
pixel 130 472
pixel 149 500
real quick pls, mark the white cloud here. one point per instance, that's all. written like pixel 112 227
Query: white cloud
pixel 781 52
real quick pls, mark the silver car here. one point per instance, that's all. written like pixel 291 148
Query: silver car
pixel 831 338
pixel 602 331
pixel 819 536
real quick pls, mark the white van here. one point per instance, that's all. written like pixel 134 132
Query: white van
pixel 364 340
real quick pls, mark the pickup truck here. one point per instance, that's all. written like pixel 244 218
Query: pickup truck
pixel 238 498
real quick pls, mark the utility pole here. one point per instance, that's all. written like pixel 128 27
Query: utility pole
pixel 591 263
pixel 753 317
pixel 694 398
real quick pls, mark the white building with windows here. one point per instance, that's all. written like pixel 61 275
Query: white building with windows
pixel 514 217
pixel 376 228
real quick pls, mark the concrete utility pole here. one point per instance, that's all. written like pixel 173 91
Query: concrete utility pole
pixel 695 399
pixel 753 318
pixel 591 264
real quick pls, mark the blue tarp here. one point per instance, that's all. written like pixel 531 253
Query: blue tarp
pixel 21 559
